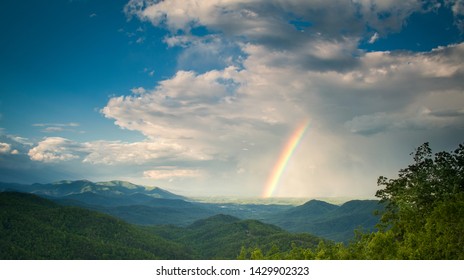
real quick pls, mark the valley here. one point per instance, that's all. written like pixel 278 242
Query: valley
pixel 146 206
pixel 34 227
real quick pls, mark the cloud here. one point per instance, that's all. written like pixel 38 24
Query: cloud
pixel 319 35
pixel 71 124
pixel 269 20
pixel 448 113
pixel 457 7
pixel 435 92
pixel 388 16
pixel 420 120
pixel 54 149
pixel 116 152
pixel 207 111
pixel 240 116
pixel 140 40
pixel 57 127
pixel 374 38
pixel 9 148
pixel 13 145
pixel 139 90
pixel 250 71
pixel 291 26
pixel 387 82
pixel 53 129
pixel 5 148
pixel 172 173
pixel 21 140
pixel 149 71
pixel 205 53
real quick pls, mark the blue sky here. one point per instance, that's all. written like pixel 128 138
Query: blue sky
pixel 199 97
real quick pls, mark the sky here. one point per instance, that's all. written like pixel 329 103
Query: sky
pixel 255 98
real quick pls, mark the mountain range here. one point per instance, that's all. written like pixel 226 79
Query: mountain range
pixel 330 221
pixel 113 189
pixel 148 206
pixel 33 227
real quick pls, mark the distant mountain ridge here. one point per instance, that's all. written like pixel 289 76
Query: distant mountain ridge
pixel 110 188
pixel 327 220
pixel 133 203
pixel 313 208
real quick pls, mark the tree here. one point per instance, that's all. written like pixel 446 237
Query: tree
pixel 442 236
pixel 257 254
pixel 422 213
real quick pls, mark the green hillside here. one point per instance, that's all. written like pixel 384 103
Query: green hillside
pixel 33 227
pixel 223 236
pixel 36 228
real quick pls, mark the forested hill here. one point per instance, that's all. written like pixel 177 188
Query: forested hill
pixel 223 237
pixel 33 227
pixel 36 228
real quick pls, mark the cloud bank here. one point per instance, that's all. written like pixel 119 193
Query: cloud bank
pixel 251 71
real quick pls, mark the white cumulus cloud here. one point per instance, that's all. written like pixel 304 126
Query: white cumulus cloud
pixel 55 149
pixel 5 148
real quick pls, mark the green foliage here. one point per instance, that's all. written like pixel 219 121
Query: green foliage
pixel 442 236
pixel 424 216
pixel 227 237
pixel 412 196
pixel 35 228
pixel 257 255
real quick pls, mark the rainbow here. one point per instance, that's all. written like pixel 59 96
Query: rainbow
pixel 284 158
